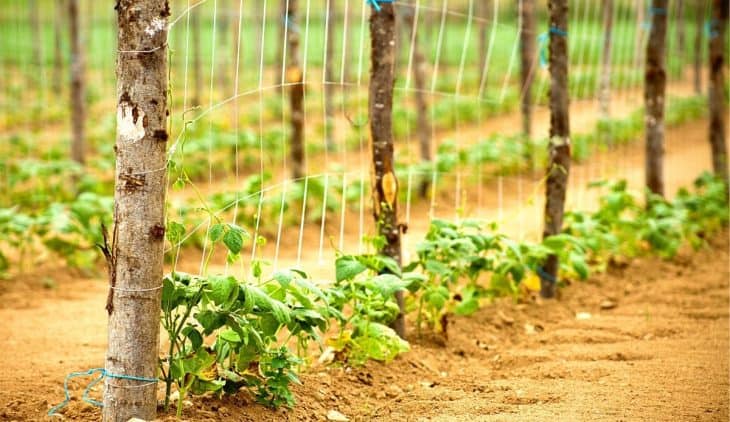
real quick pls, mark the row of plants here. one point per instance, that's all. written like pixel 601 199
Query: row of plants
pixel 40 189
pixel 503 155
pixel 227 333
pixel 69 230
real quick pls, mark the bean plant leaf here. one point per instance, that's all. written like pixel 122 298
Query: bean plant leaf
pixel 347 268
pixel 233 241
pixel 222 290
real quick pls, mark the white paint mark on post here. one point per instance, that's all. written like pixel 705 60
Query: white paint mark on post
pixel 129 130
pixel 156 26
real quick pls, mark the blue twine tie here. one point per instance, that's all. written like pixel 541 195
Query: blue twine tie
pixel 375 4
pixel 710 30
pixel 542 40
pixel 545 276
pixel 291 24
pixel 102 373
pixel 646 25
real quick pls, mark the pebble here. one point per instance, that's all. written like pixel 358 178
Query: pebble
pixel 335 416
pixel 582 316
pixel 608 304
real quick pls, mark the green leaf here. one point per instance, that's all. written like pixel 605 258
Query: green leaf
pixel 388 284
pixel 196 340
pixel 216 232
pixel 210 320
pixel 175 232
pixel 578 262
pixel 347 268
pixel 233 241
pixel 222 290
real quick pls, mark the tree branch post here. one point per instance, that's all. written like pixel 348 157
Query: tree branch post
pixel 559 145
pixel 130 389
pixel 655 82
pixel 717 103
pixel 380 103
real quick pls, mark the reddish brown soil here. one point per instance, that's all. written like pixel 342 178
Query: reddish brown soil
pixel 661 354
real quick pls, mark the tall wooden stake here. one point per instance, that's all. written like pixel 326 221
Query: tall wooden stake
pixel 559 147
pixel 296 92
pixel 527 68
pixel 718 106
pixel 135 254
pixel 655 82
pixel 681 39
pixel 329 108
pixel 380 103
pixel 419 79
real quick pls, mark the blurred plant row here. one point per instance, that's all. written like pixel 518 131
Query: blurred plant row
pixel 56 206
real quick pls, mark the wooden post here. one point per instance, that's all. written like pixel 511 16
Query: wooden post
pixel 78 108
pixel 559 145
pixel 655 82
pixel 418 63
pixel 329 76
pixel 296 92
pixel 718 106
pixel 380 104
pixel 680 37
pixel 527 61
pixel 135 254
pixel 605 89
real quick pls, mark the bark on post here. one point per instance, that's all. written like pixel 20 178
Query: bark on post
pixel 329 76
pixel 559 146
pixel 380 104
pixel 296 92
pixel 419 79
pixel 135 255
pixel 197 62
pixel 604 98
pixel 527 62
pixel 655 82
pixel 718 107
pixel 78 109
pixel 699 32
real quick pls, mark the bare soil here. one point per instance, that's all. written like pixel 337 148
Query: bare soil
pixel 660 354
